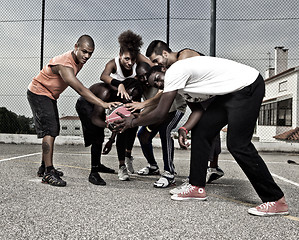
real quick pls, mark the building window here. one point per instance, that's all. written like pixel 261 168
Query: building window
pixel 283 86
pixel 276 114
pixel 284 113
pixel 64 128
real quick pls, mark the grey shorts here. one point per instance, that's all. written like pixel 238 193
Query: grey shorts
pixel 45 115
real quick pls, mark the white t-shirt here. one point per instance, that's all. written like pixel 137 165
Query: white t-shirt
pixel 118 75
pixel 200 78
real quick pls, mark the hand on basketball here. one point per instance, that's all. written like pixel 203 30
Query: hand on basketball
pixel 122 92
pixel 125 122
pixel 113 127
pixel 184 144
pixel 110 104
pixel 134 106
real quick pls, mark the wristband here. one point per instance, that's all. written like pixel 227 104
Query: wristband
pixel 115 82
pixel 185 129
pixel 148 129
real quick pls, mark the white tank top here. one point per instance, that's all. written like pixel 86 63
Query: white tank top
pixel 118 75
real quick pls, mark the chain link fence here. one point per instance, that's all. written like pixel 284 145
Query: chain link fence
pixel 246 31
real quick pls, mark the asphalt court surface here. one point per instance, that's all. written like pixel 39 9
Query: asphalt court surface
pixel 135 209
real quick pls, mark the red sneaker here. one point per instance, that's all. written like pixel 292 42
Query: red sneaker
pixel 279 207
pixel 190 192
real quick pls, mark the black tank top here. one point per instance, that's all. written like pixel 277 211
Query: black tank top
pixel 179 53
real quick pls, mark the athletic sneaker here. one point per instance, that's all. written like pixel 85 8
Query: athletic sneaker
pixel 166 180
pixel 279 207
pixel 42 168
pixel 129 164
pixel 190 192
pixel 179 188
pixel 102 168
pixel 149 170
pixel 96 179
pixel 214 174
pixel 123 174
pixel 53 179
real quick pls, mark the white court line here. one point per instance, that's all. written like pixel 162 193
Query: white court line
pixel 284 179
pixel 27 155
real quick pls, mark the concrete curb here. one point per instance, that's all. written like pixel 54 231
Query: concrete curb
pixel 292 147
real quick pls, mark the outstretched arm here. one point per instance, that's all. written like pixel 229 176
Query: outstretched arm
pixel 152 102
pixel 67 74
pixel 193 119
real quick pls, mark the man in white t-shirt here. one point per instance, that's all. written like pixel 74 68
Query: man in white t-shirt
pixel 239 91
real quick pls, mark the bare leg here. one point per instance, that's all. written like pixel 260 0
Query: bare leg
pixel 214 163
pixel 47 150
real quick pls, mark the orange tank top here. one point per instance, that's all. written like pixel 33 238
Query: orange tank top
pixel 52 85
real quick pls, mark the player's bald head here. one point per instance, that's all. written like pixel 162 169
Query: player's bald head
pixel 87 40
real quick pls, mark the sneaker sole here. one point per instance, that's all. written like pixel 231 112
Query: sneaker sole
pixel 177 198
pixel 54 185
pixel 162 186
pixel 98 183
pixel 124 179
pixel 172 192
pixel 214 176
pixel 103 171
pixel 266 214
pixel 149 174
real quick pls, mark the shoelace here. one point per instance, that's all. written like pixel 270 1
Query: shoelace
pixel 187 189
pixel 185 182
pixel 267 205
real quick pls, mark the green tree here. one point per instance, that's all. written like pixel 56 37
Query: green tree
pixel 12 123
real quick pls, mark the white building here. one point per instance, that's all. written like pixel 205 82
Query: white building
pixel 70 126
pixel 279 115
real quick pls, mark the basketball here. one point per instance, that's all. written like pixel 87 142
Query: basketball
pixel 112 115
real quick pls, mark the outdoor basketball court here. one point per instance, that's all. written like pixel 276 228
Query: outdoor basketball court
pixel 135 209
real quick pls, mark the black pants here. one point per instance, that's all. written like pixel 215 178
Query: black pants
pixel 240 111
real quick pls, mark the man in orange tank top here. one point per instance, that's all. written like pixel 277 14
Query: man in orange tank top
pixel 43 92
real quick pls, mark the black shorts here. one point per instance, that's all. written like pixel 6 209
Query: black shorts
pixel 45 115
pixel 91 132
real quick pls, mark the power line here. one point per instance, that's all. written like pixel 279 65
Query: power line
pixel 151 19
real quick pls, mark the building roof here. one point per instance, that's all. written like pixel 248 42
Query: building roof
pixel 292 135
pixel 70 118
pixel 294 69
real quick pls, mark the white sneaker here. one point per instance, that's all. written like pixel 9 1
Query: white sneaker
pixel 179 188
pixel 149 170
pixel 166 180
pixel 123 173
pixel 129 164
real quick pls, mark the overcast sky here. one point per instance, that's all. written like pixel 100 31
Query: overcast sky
pixel 247 31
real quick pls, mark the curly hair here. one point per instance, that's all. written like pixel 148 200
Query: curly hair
pixel 130 42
